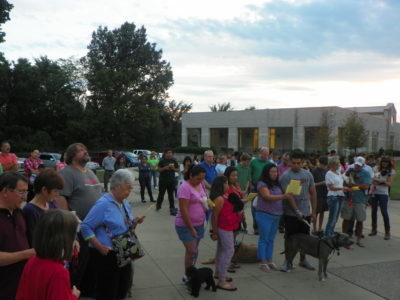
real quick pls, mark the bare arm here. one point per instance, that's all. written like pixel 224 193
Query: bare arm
pixel 10 167
pixel 99 246
pixel 313 198
pixel 9 258
pixel 219 203
pixel 207 185
pixel 61 202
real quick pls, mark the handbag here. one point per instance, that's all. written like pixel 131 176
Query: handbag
pixel 127 246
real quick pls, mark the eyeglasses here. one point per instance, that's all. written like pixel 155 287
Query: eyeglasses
pixel 21 193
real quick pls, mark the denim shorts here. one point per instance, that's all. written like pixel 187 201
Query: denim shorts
pixel 184 233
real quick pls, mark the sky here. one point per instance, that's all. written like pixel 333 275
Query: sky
pixel 267 54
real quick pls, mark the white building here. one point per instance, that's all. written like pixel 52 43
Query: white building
pixel 287 128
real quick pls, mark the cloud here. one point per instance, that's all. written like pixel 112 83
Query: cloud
pixel 311 29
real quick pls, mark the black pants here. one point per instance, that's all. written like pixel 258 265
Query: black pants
pixel 107 176
pixel 83 274
pixel 145 182
pixel 169 186
pixel 293 225
pixel 112 282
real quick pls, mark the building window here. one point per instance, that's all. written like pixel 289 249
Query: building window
pixel 219 139
pixel 247 139
pixel 194 137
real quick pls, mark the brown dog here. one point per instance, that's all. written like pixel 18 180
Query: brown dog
pixel 245 253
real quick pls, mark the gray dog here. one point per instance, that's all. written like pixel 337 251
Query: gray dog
pixel 318 248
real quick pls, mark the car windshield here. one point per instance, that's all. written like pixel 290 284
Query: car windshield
pixel 130 154
pixel 57 156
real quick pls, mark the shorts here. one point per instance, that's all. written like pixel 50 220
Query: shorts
pixel 293 225
pixel 322 205
pixel 184 233
pixel 359 210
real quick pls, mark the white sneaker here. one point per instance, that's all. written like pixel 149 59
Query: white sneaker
pixel 285 267
pixel 306 265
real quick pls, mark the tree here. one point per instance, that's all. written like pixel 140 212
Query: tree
pixel 128 82
pixel 354 133
pixel 39 106
pixel 226 106
pixel 252 107
pixel 5 9
pixel 325 132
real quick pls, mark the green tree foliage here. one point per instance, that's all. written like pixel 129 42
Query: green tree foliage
pixel 116 96
pixel 5 9
pixel 226 106
pixel 39 105
pixel 354 133
pixel 128 82
pixel 325 132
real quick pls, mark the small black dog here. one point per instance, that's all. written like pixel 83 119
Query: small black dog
pixel 197 277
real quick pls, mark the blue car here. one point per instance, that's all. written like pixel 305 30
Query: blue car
pixel 132 160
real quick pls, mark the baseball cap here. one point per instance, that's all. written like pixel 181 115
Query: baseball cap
pixel 360 161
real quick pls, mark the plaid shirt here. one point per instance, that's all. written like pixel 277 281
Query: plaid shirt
pixel 31 164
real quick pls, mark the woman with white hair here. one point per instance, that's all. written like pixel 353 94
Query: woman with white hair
pixel 110 216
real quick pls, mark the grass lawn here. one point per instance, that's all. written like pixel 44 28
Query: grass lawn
pixel 100 175
pixel 395 190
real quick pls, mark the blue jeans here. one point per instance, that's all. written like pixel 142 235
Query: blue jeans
pixel 267 226
pixel 382 200
pixel 335 206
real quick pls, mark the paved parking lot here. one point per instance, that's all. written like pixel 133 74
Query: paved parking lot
pixel 366 273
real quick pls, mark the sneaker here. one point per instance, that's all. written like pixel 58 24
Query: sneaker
pixel 285 267
pixel 306 265
pixel 185 279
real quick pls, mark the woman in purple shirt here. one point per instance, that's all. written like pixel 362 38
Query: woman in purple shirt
pixel 268 211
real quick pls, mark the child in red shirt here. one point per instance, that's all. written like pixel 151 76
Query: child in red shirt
pixel 44 276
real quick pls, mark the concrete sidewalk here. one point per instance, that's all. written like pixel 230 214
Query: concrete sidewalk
pixel 366 273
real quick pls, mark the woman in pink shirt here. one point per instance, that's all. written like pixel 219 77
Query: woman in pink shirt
pixel 189 221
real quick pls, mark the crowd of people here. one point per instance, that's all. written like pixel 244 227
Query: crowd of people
pixel 60 222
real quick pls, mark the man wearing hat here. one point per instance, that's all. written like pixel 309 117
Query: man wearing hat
pixel 356 204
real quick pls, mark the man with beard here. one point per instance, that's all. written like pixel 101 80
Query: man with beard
pixel 81 190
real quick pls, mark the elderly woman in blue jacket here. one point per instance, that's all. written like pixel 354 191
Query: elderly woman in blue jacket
pixel 110 216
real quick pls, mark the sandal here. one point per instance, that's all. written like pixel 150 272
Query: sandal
pixel 227 279
pixel 265 268
pixel 234 266
pixel 272 266
pixel 227 287
pixel 359 244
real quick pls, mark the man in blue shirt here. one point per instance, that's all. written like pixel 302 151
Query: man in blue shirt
pixel 209 166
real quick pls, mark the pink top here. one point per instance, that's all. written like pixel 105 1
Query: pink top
pixel 227 219
pixel 8 159
pixel 195 209
pixel 61 165
pixel 30 165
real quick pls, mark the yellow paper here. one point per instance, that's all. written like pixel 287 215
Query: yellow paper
pixel 210 203
pixel 251 196
pixel 148 209
pixel 355 188
pixel 294 187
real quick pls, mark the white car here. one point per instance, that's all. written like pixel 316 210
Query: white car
pixel 92 165
pixel 141 151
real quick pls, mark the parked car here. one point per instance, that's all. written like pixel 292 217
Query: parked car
pixel 141 151
pixel 92 165
pixel 50 159
pixel 21 164
pixel 132 160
